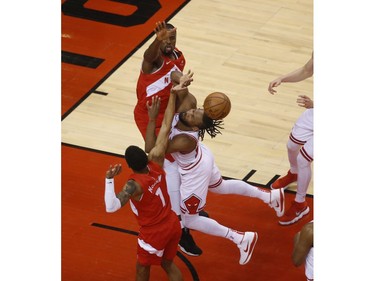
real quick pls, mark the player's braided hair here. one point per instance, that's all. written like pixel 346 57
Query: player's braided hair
pixel 210 126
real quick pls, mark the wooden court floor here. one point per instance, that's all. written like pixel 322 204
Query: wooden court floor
pixel 236 47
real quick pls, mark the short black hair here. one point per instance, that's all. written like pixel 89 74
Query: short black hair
pixel 169 26
pixel 136 158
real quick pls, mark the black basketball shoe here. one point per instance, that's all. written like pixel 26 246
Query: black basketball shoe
pixel 187 244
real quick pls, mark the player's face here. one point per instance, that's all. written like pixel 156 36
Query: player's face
pixel 168 45
pixel 192 117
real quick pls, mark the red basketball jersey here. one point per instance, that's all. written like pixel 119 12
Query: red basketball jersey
pixel 154 205
pixel 157 83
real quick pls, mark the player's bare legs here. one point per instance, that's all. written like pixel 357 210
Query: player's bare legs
pixel 143 272
pixel 174 274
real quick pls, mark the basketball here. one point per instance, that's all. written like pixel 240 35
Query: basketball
pixel 217 105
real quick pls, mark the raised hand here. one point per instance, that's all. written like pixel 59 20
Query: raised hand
pixel 178 88
pixel 186 79
pixel 162 33
pixel 305 101
pixel 274 84
pixel 153 108
pixel 113 171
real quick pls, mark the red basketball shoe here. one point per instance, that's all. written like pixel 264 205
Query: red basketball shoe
pixel 294 213
pixel 284 181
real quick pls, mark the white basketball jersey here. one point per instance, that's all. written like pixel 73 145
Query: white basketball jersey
pixel 186 160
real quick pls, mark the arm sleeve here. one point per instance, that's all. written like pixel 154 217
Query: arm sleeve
pixel 112 203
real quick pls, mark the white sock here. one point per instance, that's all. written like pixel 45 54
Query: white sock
pixel 235 236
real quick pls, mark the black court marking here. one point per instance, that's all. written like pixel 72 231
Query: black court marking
pixel 119 64
pixel 115 228
pixel 191 268
pixel 252 172
pixel 268 185
pixel 92 150
pixel 273 180
pixel 145 10
pixel 100 93
pixel 80 60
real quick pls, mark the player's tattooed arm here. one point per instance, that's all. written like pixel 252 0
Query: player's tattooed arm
pixel 130 189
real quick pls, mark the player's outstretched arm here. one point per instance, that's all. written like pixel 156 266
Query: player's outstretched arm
pixel 153 111
pixel 152 55
pixel 157 153
pixel 112 201
pixel 297 75
pixel 181 89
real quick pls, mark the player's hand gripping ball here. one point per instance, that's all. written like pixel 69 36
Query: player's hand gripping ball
pixel 217 105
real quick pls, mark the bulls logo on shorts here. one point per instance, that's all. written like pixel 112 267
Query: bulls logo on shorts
pixel 191 205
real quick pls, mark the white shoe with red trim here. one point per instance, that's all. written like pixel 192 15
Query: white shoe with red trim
pixel 247 246
pixel 277 201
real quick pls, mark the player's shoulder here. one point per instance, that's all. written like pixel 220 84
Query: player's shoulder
pixel 155 167
pixel 308 228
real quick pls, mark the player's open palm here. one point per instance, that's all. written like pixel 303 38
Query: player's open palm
pixel 153 108
pixel 305 101
pixel 162 33
pixel 113 171
pixel 186 79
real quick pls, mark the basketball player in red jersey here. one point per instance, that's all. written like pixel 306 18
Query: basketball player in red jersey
pixel 146 190
pixel 199 174
pixel 300 147
pixel 159 60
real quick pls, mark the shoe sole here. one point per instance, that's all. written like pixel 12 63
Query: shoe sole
pixel 302 214
pixel 252 246
pixel 188 253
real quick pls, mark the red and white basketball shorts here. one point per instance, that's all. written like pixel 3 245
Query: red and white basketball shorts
pixel 159 241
